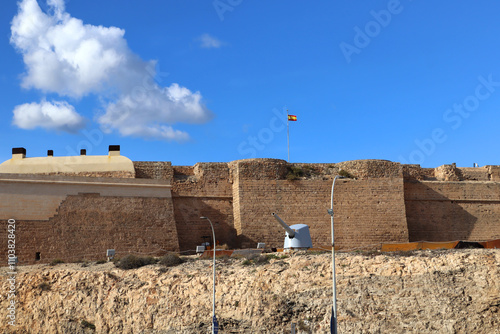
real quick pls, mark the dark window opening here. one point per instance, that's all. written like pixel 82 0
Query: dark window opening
pixel 37 256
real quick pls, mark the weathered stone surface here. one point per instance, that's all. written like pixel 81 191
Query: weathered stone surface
pixel 427 292
pixel 460 210
pixel 203 190
pixel 158 170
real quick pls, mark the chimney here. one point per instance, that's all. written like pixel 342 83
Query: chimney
pixel 18 153
pixel 50 153
pixel 83 151
pixel 114 150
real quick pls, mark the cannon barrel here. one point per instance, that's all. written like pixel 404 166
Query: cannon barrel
pixel 291 233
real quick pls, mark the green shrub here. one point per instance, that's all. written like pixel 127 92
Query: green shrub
pixel 44 286
pixel 170 260
pixel 272 256
pixel 132 262
pixel 276 256
pixel 256 259
pixel 261 260
pixel 101 262
pixel 112 276
pixel 317 252
pixel 56 262
pixel 346 174
pixel 308 171
pixel 246 263
pixel 86 324
pixel 294 173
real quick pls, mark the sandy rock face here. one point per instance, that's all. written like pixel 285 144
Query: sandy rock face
pixel 425 292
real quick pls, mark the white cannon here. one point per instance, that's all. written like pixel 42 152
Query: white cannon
pixel 297 236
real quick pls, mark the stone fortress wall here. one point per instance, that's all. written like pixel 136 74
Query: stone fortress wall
pixel 155 207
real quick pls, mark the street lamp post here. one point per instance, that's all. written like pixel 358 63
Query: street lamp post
pixel 213 299
pixel 333 323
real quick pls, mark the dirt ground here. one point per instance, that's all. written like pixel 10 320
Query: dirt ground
pixel 444 291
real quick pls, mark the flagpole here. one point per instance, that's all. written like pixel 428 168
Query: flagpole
pixel 288 133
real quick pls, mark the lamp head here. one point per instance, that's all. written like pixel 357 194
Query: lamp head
pixel 203 217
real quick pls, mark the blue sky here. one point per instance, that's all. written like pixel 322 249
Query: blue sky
pixel 199 81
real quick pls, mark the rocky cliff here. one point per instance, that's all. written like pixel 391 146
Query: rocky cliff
pixel 421 292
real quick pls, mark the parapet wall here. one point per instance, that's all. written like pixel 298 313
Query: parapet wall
pixel 37 197
pixel 369 210
pixel 446 211
pixel 156 170
pixel 79 218
pixel 451 173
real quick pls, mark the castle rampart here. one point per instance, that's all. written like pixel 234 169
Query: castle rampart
pixel 158 210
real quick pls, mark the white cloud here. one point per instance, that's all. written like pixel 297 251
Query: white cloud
pixel 209 42
pixel 65 56
pixel 55 115
pixel 157 105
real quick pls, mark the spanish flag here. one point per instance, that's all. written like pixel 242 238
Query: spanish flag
pixel 292 118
